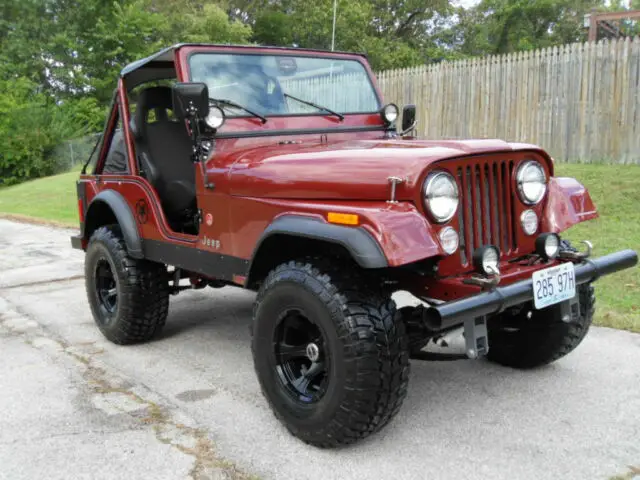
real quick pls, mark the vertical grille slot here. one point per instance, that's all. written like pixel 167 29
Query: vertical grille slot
pixel 462 214
pixel 501 188
pixel 506 194
pixel 469 210
pixel 497 219
pixel 486 206
pixel 514 220
pixel 477 206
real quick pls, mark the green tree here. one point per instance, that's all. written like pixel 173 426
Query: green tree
pixel 59 60
pixel 273 28
pixel 23 33
pixel 393 34
pixel 32 125
pixel 502 26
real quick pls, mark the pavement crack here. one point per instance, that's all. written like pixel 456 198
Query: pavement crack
pixel 43 282
pixel 115 395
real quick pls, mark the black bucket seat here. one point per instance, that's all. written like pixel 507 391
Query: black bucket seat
pixel 164 149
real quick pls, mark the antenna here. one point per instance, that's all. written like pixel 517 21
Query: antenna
pixel 333 33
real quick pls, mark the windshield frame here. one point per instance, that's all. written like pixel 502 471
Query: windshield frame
pixel 280 52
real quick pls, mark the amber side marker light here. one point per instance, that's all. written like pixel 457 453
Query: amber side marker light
pixel 343 218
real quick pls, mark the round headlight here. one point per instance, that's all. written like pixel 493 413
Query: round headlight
pixel 532 182
pixel 215 119
pixel 529 221
pixel 449 240
pixel 390 113
pixel 441 196
pixel 548 246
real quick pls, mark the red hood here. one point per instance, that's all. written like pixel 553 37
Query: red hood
pixel 348 170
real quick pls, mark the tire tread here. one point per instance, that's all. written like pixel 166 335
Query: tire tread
pixel 533 345
pixel 375 345
pixel 144 299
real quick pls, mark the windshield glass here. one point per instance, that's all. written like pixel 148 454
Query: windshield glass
pixel 265 83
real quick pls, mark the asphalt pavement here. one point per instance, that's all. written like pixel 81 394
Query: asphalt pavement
pixel 188 405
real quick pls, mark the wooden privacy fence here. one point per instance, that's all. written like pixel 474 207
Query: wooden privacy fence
pixel 580 102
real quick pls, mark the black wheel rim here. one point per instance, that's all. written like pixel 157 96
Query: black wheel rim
pixel 106 288
pixel 302 359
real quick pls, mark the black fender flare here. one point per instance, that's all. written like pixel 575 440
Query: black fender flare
pixel 360 244
pixel 126 220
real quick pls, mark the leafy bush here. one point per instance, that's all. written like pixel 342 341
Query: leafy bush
pixel 32 124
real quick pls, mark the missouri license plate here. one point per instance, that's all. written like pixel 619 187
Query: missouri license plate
pixel 554 285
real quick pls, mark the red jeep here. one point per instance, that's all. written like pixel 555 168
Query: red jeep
pixel 280 171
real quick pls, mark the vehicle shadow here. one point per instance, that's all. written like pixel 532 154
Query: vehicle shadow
pixel 456 414
pixel 224 312
pixel 475 393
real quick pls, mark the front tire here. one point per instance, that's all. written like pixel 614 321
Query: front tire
pixel 129 298
pixel 521 342
pixel 331 360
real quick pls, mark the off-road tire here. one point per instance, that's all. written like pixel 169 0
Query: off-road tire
pixel 521 342
pixel 369 373
pixel 142 290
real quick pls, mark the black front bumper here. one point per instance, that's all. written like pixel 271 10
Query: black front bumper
pixel 450 314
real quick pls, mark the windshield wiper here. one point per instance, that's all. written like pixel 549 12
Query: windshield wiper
pixel 237 105
pixel 311 104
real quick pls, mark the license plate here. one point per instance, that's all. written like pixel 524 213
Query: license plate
pixel 554 285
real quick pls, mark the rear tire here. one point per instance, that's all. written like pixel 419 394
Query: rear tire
pixel 361 372
pixel 129 298
pixel 521 342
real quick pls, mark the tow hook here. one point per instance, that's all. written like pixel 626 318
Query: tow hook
pixel 486 283
pixel 577 256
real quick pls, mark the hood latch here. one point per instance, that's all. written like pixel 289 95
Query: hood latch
pixel 394 181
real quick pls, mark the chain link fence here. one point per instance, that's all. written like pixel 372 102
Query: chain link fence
pixel 71 154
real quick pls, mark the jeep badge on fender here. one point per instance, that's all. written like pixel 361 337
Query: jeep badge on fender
pixel 282 171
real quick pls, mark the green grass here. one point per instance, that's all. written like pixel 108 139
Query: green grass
pixel 614 188
pixel 51 198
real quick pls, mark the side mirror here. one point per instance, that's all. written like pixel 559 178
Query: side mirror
pixel 408 119
pixel 190 99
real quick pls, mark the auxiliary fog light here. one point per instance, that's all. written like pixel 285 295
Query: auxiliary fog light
pixel 486 260
pixel 216 118
pixel 449 240
pixel 390 113
pixel 548 246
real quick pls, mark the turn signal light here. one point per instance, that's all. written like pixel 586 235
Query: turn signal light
pixel 343 218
